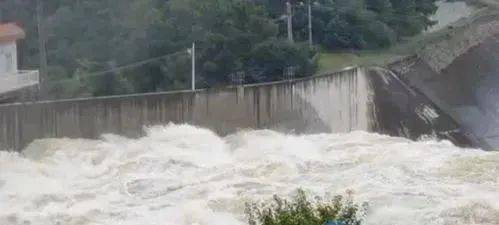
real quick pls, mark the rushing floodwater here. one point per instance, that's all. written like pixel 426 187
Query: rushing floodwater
pixel 183 175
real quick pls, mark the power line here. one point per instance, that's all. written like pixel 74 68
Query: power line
pixel 122 68
pixel 133 65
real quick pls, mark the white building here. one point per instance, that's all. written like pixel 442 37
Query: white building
pixel 9 34
pixel 11 77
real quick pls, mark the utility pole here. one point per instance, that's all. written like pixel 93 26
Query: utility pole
pixel 193 77
pixel 290 21
pixel 42 41
pixel 310 40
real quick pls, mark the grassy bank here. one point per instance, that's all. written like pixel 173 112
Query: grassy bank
pixel 333 61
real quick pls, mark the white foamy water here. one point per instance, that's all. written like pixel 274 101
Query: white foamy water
pixel 183 175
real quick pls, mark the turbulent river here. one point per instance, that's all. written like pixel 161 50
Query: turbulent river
pixel 183 175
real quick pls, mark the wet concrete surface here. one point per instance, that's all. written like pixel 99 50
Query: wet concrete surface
pixel 467 90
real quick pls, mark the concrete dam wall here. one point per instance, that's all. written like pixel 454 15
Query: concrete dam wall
pixel 357 99
pixel 334 103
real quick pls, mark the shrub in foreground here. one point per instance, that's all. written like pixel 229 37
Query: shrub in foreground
pixel 301 211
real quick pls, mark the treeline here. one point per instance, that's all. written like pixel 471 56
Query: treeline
pixel 357 24
pixel 232 36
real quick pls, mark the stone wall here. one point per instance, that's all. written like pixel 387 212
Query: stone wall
pixel 458 40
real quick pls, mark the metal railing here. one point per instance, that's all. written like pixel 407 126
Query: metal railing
pixel 21 79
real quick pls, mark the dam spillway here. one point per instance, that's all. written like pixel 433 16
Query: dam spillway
pixel 396 137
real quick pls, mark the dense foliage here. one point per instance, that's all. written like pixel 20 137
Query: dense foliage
pixel 301 211
pixel 357 23
pixel 85 37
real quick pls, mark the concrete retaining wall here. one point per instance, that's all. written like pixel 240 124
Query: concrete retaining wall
pixel 339 102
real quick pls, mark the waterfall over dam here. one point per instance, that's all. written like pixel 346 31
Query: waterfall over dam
pixel 407 139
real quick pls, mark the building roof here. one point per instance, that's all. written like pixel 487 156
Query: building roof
pixel 11 32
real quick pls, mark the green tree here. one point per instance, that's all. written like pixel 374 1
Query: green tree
pixel 273 56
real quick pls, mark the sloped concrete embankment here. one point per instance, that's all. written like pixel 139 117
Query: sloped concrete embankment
pixel 461 77
pixel 403 111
